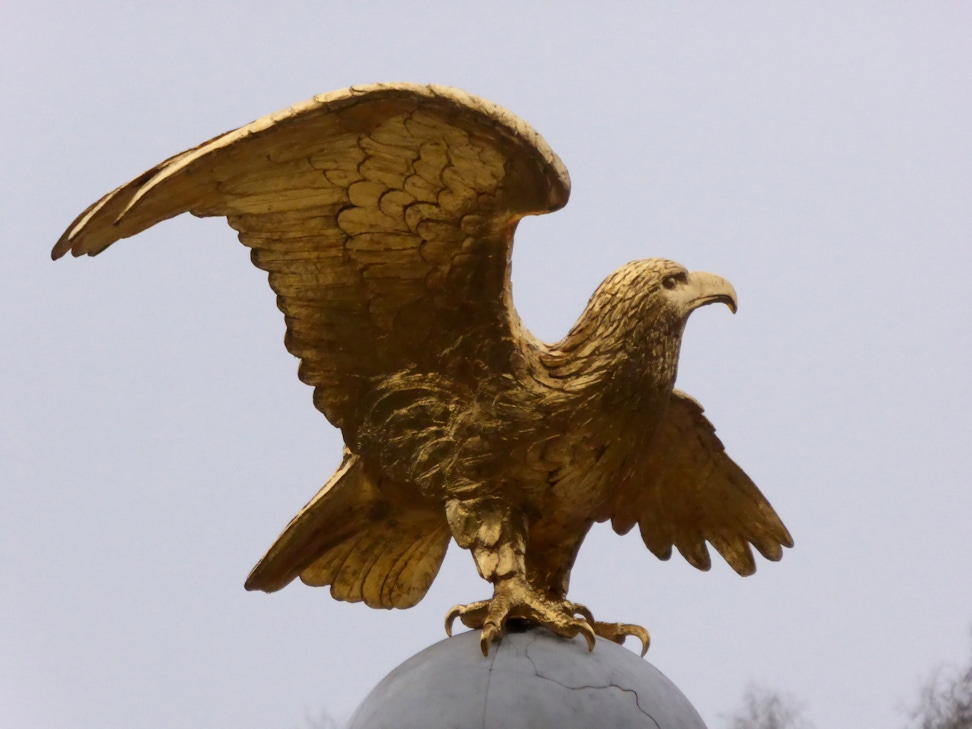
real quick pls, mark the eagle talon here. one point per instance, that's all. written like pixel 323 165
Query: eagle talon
pixel 473 615
pixel 570 628
pixel 617 632
pixel 577 609
pixel 450 618
pixel 491 632
pixel 585 629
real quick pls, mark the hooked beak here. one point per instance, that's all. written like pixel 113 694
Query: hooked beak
pixel 707 288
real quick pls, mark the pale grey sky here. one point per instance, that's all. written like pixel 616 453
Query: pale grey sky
pixel 154 438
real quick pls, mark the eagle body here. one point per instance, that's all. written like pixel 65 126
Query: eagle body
pixel 549 438
pixel 385 216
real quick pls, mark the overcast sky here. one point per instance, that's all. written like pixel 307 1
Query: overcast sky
pixel 154 438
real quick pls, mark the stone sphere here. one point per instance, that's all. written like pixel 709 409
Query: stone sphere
pixel 530 680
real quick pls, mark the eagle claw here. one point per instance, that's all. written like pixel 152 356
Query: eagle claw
pixel 472 615
pixel 489 617
pixel 617 632
pixel 515 599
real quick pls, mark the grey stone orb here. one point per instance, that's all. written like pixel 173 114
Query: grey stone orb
pixel 530 680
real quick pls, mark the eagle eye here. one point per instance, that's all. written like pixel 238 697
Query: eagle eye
pixel 670 282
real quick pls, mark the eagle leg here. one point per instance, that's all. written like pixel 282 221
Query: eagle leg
pixel 551 568
pixel 496 536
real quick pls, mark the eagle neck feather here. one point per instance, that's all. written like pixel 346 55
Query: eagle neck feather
pixel 621 353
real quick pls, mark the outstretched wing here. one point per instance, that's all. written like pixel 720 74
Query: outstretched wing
pixel 384 216
pixel 685 491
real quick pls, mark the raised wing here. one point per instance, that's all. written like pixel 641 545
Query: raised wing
pixel 686 491
pixel 384 216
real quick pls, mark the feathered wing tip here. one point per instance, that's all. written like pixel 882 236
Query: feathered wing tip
pixel 351 537
pixel 111 206
pixel 686 491
pixel 100 224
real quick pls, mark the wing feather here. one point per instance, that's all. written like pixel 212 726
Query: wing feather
pixel 384 216
pixel 685 491
pixel 367 546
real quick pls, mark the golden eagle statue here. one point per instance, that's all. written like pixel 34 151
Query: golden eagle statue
pixel 385 216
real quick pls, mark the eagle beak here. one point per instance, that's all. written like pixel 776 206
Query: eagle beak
pixel 707 288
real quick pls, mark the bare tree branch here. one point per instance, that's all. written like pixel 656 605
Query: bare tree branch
pixel 323 720
pixel 764 708
pixel 945 700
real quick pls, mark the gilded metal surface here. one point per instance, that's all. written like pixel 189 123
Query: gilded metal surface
pixel 385 218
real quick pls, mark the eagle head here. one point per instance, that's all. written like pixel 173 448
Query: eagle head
pixel 627 341
pixel 655 294
pixel 634 321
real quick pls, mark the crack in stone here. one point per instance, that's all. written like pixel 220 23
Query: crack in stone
pixel 489 679
pixel 536 671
